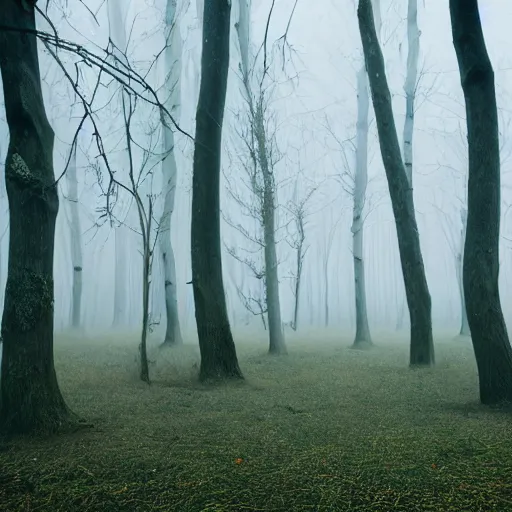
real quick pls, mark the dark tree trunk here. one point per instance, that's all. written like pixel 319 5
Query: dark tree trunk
pixel 218 354
pixel 31 401
pixel 481 256
pixel 416 288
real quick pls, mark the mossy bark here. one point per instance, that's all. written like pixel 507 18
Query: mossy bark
pixel 218 354
pixel 31 401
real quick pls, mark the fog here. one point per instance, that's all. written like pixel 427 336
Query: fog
pixel 307 388
pixel 315 91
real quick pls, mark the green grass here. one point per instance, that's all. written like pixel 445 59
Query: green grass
pixel 323 429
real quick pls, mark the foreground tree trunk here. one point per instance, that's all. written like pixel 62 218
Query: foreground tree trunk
pixel 363 337
pixel 481 252
pixel 31 401
pixel 172 59
pixel 218 354
pixel 416 288
pixel 76 242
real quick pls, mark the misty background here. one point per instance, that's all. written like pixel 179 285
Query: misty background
pixel 315 108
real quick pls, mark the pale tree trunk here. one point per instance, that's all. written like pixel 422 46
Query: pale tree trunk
pixel 413 42
pixel 277 343
pixel 218 353
pixel 172 90
pixel 464 325
pixel 326 258
pixel 120 277
pixel 31 401
pixel 275 329
pixel 326 290
pixel 413 50
pixel 481 250
pixel 362 337
pixel 418 296
pixel 76 242
pixel 299 264
pixel 117 33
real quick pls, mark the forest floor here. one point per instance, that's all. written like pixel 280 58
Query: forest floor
pixel 325 428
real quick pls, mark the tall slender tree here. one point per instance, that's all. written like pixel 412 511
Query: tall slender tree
pixel 117 33
pixel 172 67
pixel 76 241
pixel 263 155
pixel 31 400
pixel 218 354
pixel 362 337
pixel 416 288
pixel 413 50
pixel 481 251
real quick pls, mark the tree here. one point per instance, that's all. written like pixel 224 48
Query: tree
pixel 76 241
pixel 172 66
pixel 261 145
pixel 218 353
pixel 355 182
pixel 481 251
pixel 298 208
pixel 145 206
pixel 416 288
pixel 117 34
pixel 413 49
pixel 31 400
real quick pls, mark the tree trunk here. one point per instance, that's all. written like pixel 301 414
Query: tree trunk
pixel 76 243
pixel 363 337
pixel 144 367
pixel 416 288
pixel 464 325
pixel 413 41
pixel 117 33
pixel 172 59
pixel 298 275
pixel 481 251
pixel 31 401
pixel 120 276
pixel 277 344
pixel 218 354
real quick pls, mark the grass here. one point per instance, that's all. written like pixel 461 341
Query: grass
pixel 325 428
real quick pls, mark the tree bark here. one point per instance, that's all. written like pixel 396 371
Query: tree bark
pixel 362 337
pixel 464 325
pixel 481 251
pixel 218 354
pixel 76 243
pixel 172 59
pixel 31 400
pixel 416 288
pixel 413 41
pixel 277 344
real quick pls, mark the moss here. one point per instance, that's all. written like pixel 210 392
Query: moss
pixel 30 296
